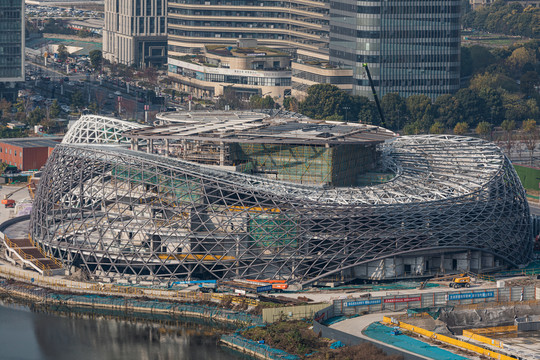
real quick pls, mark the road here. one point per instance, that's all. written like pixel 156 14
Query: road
pixel 104 94
pixel 19 197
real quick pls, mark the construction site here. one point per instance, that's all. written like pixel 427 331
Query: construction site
pixel 398 231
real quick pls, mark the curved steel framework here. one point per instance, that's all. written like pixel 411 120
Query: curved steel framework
pixel 95 129
pixel 124 213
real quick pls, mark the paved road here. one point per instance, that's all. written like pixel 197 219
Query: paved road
pixel 534 208
pixel 356 325
pixel 19 197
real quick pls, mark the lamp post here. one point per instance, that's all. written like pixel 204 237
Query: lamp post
pixel 346 108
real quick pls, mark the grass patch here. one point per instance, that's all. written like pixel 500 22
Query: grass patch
pixel 296 338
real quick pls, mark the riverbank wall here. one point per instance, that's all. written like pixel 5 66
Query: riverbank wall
pixel 130 305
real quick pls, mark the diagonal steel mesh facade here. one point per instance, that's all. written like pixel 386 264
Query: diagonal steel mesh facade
pixel 122 213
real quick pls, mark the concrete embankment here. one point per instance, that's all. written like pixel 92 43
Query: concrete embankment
pixel 43 296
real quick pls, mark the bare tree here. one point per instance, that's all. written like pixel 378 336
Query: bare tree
pixel 131 108
pixel 530 136
pixel 100 98
pixel 508 126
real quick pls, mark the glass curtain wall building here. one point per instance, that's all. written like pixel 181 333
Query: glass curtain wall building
pixel 411 47
pixel 11 47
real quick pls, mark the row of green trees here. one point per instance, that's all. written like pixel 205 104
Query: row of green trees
pixel 510 18
pixel 503 87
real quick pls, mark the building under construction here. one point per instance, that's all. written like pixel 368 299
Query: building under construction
pixel 223 195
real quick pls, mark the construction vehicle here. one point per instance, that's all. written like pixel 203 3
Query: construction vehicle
pixel 460 281
pixel 375 97
pixel 10 203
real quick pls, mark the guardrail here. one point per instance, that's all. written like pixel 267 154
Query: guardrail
pixel 478 334
pixel 44 253
pixel 35 263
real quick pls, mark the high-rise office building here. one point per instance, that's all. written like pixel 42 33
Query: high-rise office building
pixel 411 47
pixel 11 47
pixel 135 32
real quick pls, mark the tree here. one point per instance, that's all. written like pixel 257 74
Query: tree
pixel 474 59
pixel 94 108
pixel 528 82
pixel 467 65
pixel 494 105
pixel 493 79
pixel 23 108
pixel 483 129
pixel 96 58
pixel 130 106
pixel 77 100
pixel 62 53
pixel 100 98
pixel 5 107
pixel 437 128
pixel 471 107
pixel 325 100
pixel 481 57
pixel 54 109
pixel 258 102
pixel 290 103
pixel 394 109
pixel 230 99
pixel 367 111
pixel 508 127
pixel 519 58
pixel 421 112
pixel 461 128
pixel 517 109
pixel 530 136
pixel 151 75
pixel 36 116
pixel 447 110
pixel 267 102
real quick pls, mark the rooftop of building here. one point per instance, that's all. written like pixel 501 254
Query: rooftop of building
pixel 250 127
pixel 233 51
pixel 32 142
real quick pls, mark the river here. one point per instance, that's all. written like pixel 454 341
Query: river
pixel 28 333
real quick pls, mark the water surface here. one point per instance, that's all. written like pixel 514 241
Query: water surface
pixel 32 333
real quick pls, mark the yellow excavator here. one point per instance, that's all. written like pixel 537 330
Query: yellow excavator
pixel 460 281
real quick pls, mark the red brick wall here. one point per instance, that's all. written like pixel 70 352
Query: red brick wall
pixel 11 158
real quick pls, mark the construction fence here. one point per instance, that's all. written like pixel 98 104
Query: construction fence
pixel 358 306
pixel 270 315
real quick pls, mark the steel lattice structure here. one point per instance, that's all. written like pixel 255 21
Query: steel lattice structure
pixel 120 212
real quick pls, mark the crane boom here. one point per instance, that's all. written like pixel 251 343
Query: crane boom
pixel 7 196
pixel 375 97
